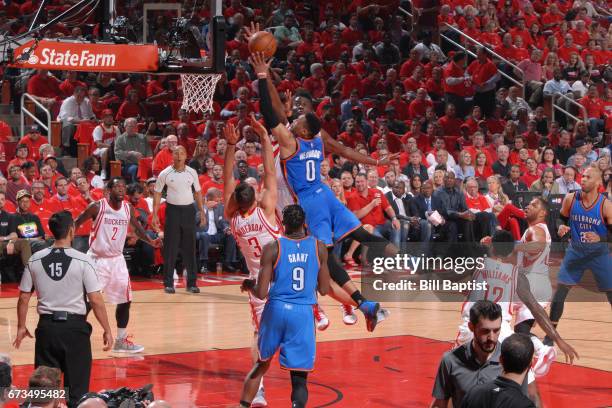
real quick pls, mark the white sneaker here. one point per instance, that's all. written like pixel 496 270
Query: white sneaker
pixel 382 314
pixel 127 346
pixel 320 317
pixel 259 400
pixel 348 315
pixel 546 357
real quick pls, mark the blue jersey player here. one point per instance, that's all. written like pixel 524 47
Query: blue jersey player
pixel 589 214
pixel 292 269
pixel 302 148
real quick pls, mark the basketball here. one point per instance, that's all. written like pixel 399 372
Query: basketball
pixel 263 41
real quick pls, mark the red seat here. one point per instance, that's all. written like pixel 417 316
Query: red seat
pixel 84 134
pixel 145 168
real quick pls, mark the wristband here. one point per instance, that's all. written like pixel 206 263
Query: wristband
pixel 262 75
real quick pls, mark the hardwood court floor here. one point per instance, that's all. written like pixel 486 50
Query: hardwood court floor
pixel 197 351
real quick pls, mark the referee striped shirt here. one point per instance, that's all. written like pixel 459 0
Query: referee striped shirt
pixel 180 184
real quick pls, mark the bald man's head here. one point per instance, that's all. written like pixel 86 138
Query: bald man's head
pixel 159 404
pixel 93 403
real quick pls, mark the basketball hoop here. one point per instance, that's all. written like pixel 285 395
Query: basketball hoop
pixel 198 91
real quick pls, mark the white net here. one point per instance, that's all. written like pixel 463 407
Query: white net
pixel 198 91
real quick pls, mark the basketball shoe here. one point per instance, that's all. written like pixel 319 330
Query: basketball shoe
pixel 348 315
pixel 259 400
pixel 320 317
pixel 370 311
pixel 125 345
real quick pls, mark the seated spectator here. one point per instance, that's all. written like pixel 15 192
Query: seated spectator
pixel 61 200
pixel 70 82
pixel 478 204
pixel 351 136
pixel 514 184
pixel 9 242
pixel 183 139
pixel 545 184
pixel 502 165
pixel 482 170
pixel 418 107
pixel 132 107
pixel 348 183
pixel 410 223
pixel 450 203
pixel 21 156
pixel 532 174
pixel 315 84
pixel 370 206
pixel 29 172
pixel 163 158
pixel 98 106
pixel 559 86
pixel 442 161
pixel 104 135
pixel 507 214
pixel 16 183
pixel 33 140
pixel 450 123
pixel 215 182
pixel 217 231
pixel 74 110
pixel 130 147
pixel 27 224
pixel 567 182
pixel 464 168
pixel 515 102
pixel 595 112
pixel 242 101
pixel 45 87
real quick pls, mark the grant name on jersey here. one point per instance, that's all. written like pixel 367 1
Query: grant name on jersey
pixel 293 258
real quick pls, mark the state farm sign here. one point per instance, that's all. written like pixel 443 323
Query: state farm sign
pixel 77 56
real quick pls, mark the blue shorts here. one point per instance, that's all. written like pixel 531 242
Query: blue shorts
pixel 327 218
pixel 575 263
pixel 290 327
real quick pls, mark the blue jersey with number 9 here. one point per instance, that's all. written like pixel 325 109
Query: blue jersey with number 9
pixel 296 271
pixel 303 168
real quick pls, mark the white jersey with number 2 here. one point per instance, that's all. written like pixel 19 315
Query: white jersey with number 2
pixel 500 281
pixel 252 232
pixel 109 230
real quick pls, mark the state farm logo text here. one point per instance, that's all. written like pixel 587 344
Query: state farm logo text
pixel 84 58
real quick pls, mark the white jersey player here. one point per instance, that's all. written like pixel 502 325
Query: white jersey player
pixel 112 217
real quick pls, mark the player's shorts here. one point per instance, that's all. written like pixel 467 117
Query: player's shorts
pixel 326 217
pixel 115 279
pixel 575 263
pixel 290 327
pixel 257 307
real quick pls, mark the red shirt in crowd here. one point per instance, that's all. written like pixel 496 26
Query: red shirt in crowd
pixel 595 107
pixel 44 86
pixel 357 201
pixel 477 203
pixel 33 146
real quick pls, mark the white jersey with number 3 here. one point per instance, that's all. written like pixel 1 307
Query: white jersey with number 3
pixel 109 230
pixel 252 232
pixel 500 281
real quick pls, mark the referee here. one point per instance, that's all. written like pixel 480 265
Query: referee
pixel 60 275
pixel 180 226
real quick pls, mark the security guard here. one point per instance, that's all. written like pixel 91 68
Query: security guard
pixel 60 275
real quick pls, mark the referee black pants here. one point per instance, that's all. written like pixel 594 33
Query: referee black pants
pixel 180 233
pixel 66 345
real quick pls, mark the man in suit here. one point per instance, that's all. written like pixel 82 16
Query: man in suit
pixel 415 166
pixel 513 185
pixel 450 203
pixel 215 231
pixel 420 208
pixel 400 202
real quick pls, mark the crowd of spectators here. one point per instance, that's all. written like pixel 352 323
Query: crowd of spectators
pixel 469 140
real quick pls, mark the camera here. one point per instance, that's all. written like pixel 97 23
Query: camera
pixel 123 397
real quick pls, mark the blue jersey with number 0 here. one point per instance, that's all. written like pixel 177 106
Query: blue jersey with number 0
pixel 296 271
pixel 303 168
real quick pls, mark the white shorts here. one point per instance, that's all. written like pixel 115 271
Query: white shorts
pixel 257 306
pixel 541 288
pixel 115 279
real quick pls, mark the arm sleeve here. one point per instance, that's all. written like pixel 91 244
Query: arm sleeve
pixel 265 104
pixel 161 182
pixel 196 182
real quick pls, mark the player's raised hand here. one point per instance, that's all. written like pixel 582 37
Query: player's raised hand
pixel 563 229
pixel 231 134
pixel 258 61
pixel 247 285
pixel 288 103
pixel 251 31
pixel 570 353
pixel 259 129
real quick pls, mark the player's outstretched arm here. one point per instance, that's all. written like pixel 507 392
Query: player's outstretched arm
pixel 229 184
pixel 90 213
pixel 287 142
pixel 523 291
pixel 333 146
pixel 535 244
pixel 323 280
pixel 268 257
pixel 270 193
